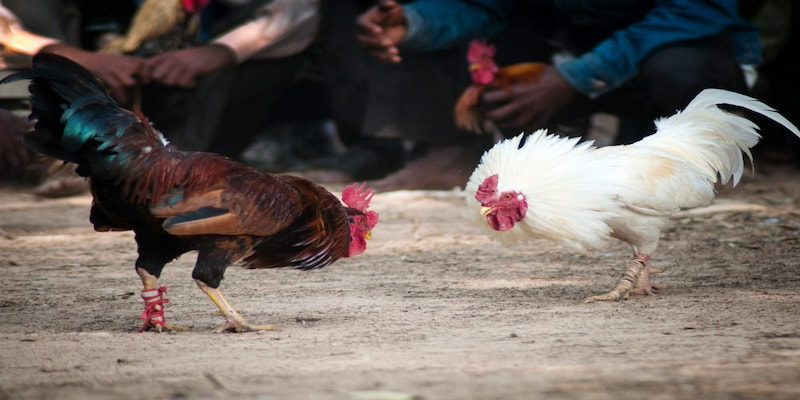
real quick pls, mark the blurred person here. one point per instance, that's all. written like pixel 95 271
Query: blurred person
pixel 273 62
pixel 214 95
pixel 636 60
pixel 255 54
pixel 32 26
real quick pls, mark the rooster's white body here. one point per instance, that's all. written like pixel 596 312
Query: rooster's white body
pixel 581 195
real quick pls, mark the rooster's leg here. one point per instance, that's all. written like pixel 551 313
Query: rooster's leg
pixel 154 302
pixel 644 284
pixel 234 320
pixel 630 279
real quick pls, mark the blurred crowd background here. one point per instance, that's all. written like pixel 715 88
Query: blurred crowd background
pixel 356 90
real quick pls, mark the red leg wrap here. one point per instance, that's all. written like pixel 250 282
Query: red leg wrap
pixel 154 301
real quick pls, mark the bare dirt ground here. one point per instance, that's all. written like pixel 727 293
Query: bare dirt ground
pixel 433 310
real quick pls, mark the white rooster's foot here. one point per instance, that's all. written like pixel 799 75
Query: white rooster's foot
pixel 644 284
pixel 612 295
pixel 629 282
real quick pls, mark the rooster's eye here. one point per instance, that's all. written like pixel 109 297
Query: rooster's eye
pixel 508 196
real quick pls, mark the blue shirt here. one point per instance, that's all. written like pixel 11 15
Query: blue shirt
pixel 436 24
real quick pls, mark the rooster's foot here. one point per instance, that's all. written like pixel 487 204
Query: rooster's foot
pixel 644 283
pixel 635 278
pixel 153 315
pixel 165 327
pixel 242 326
pixel 233 320
pixel 154 303
pixel 612 295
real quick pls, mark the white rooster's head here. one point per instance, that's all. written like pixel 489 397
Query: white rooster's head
pixel 544 186
pixel 501 209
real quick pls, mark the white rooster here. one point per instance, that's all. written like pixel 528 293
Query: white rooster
pixel 577 194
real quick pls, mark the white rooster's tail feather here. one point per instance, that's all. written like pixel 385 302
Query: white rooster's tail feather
pixel 711 138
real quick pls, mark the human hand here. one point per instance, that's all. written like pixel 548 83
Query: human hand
pixel 117 72
pixel 183 67
pixel 381 28
pixel 529 105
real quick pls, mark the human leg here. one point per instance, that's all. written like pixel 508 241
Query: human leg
pixel 671 77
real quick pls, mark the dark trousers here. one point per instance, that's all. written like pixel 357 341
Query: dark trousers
pixel 225 110
pixel 670 78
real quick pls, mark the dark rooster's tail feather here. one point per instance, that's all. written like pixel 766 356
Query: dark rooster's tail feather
pixel 78 121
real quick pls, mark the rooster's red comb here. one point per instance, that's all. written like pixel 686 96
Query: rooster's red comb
pixel 486 191
pixel 193 6
pixel 479 50
pixel 357 197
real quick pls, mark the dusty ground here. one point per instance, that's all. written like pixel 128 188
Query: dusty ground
pixel 432 311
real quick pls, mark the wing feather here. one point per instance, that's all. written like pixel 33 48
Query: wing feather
pixel 245 204
pixel 203 221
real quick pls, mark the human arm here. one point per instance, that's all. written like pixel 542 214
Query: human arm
pixel 117 72
pixel 281 28
pixel 15 37
pixel 381 28
pixel 529 105
pixel 183 67
pixel 615 60
pixel 427 25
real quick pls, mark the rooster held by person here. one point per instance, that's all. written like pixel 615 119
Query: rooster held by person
pixel 176 201
pixel 486 74
pixel 577 194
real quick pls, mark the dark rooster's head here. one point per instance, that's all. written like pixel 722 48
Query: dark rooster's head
pixel 501 209
pixel 481 62
pixel 361 220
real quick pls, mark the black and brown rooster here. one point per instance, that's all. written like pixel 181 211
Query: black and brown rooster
pixel 176 201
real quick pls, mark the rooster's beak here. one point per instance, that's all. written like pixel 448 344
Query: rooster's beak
pixel 487 210
pixel 368 235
